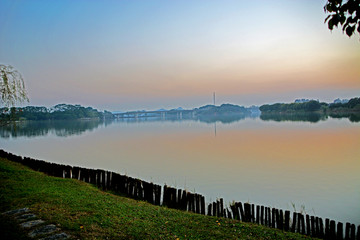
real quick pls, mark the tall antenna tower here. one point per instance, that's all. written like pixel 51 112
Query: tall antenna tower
pixel 214 98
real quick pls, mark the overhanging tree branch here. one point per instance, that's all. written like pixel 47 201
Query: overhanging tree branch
pixel 12 86
pixel 344 14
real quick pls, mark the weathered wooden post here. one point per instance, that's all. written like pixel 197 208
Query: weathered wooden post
pixel 184 201
pixel 146 188
pixel 218 211
pixel 301 223
pixel 173 197
pixel 247 208
pixel 262 216
pixel 109 180
pixel 332 230
pixel 235 211
pixel 240 207
pixel 273 218
pixel 91 176
pixel 157 194
pixel 191 202
pixel 132 188
pixel 209 207
pixel 229 214
pixel 252 213
pixel 202 199
pixel 104 179
pixel 140 189
pixel 321 228
pixel 294 223
pixel 266 217
pixel 88 175
pixel 82 174
pixel 165 196
pixel 313 226
pixel 215 209
pixel 347 231
pixel 269 216
pixel 353 232
pixel 257 214
pixel 339 232
pixel 197 203
pixel 308 226
pixel 280 222
pixel 327 228
pixel 179 206
pixel 68 171
pixel 317 227
pixel 287 220
pixel 75 173
pixel 98 177
pixel 221 207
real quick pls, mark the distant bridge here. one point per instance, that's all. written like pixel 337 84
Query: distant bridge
pixel 160 114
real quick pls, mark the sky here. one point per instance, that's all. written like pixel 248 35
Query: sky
pixel 133 55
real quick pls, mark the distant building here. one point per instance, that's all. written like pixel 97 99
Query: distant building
pixel 338 100
pixel 304 100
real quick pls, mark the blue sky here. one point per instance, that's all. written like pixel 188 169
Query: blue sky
pixel 123 55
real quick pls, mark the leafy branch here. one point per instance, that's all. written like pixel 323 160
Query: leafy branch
pixel 345 15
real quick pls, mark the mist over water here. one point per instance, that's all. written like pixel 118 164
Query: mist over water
pixel 284 164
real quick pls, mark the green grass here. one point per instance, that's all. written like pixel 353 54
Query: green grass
pixel 86 212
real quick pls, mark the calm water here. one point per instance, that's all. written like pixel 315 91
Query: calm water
pixel 283 164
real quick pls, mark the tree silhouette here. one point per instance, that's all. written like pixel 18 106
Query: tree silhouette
pixel 347 14
pixel 12 87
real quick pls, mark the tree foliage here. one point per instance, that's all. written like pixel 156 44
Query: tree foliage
pixel 58 112
pixel 343 14
pixel 292 107
pixel 12 87
pixel 351 104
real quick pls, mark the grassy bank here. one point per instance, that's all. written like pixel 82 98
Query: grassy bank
pixel 86 212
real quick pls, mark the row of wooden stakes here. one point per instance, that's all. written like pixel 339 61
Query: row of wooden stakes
pixel 186 201
pixel 275 218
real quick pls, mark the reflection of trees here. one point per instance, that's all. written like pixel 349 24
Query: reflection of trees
pixel 353 117
pixel 308 117
pixel 223 118
pixel 61 128
pixel 303 117
pixel 206 118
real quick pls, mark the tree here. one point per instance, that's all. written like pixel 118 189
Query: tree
pixel 346 14
pixel 12 87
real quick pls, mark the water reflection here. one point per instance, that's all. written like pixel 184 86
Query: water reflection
pixel 307 117
pixel 353 117
pixel 312 117
pixel 211 118
pixel 65 128
pixel 60 128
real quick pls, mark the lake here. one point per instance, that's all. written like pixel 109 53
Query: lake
pixel 310 166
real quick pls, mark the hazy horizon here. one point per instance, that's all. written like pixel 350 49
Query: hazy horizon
pixel 174 107
pixel 133 55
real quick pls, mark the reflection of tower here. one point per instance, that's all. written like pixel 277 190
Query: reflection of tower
pixel 215 128
pixel 214 98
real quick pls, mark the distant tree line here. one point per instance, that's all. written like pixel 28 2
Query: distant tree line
pixel 309 106
pixel 58 112
pixel 353 105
